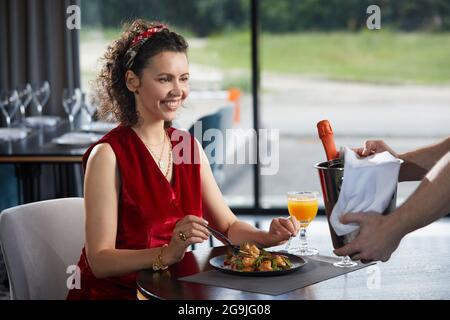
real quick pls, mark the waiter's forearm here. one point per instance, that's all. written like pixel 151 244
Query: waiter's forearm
pixel 417 163
pixel 430 201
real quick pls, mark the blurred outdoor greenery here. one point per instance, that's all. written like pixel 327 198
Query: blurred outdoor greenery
pixel 373 56
pixel 206 17
pixel 311 38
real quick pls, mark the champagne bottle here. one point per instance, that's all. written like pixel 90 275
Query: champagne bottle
pixel 327 137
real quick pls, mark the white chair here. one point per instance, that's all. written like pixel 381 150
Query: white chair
pixel 39 242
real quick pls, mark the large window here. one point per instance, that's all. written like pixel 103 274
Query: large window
pixel 218 34
pixel 320 61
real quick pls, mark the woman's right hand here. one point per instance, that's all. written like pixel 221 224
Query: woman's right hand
pixel 374 146
pixel 192 227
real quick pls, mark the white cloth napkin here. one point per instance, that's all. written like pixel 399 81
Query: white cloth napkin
pixel 369 185
pixel 99 126
pixel 13 133
pixel 77 138
pixel 49 121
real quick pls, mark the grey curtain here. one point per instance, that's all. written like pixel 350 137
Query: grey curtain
pixel 36 45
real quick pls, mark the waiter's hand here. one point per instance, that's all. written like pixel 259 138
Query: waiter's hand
pixel 378 237
pixel 374 146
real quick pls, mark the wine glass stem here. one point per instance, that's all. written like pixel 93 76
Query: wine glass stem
pixel 22 111
pixel 8 121
pixel 287 248
pixel 303 241
pixel 71 120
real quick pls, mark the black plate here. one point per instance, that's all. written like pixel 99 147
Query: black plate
pixel 297 263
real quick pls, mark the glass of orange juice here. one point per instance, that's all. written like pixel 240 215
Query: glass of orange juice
pixel 303 206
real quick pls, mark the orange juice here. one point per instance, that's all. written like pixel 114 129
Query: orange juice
pixel 304 210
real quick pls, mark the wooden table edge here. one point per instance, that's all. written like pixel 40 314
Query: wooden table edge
pixel 42 159
pixel 140 295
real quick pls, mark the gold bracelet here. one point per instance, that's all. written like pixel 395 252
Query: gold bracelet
pixel 158 264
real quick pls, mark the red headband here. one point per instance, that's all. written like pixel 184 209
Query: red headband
pixel 147 34
pixel 138 41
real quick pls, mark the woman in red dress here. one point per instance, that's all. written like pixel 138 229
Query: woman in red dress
pixel 145 203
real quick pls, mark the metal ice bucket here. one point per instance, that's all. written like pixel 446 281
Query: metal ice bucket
pixel 331 174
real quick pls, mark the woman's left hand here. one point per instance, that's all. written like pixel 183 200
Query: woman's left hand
pixel 281 229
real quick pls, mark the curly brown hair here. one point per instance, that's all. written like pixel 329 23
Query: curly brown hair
pixel 114 97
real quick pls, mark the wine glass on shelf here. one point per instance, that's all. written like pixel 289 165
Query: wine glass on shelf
pixel 89 105
pixel 9 104
pixel 25 95
pixel 303 206
pixel 72 101
pixel 41 95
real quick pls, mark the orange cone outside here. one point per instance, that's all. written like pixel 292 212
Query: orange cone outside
pixel 234 95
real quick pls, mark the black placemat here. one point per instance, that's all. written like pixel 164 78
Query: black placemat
pixel 318 268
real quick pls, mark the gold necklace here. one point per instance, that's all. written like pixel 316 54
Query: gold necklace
pixel 160 162
pixel 170 160
pixel 158 144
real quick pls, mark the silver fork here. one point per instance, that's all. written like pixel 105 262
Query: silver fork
pixel 235 249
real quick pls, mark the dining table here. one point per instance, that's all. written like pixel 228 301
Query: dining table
pixel 418 269
pixel 38 148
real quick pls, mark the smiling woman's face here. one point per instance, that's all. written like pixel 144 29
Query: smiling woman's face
pixel 163 86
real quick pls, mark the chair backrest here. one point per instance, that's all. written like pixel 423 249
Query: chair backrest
pixel 222 120
pixel 39 242
pixel 226 117
pixel 210 121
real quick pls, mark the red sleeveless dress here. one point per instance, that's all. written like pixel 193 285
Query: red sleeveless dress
pixel 149 206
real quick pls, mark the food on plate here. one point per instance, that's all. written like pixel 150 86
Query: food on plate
pixel 251 258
